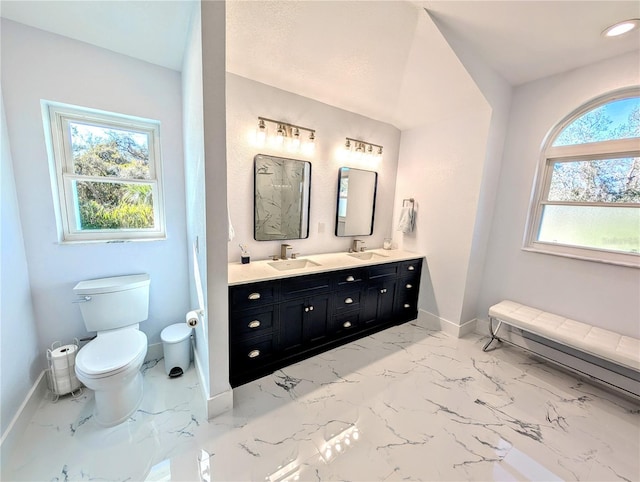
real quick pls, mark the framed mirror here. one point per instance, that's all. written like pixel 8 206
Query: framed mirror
pixel 356 202
pixel 281 198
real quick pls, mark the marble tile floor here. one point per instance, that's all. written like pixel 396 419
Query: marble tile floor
pixel 403 404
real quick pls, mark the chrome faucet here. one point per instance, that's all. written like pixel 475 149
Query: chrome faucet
pixel 358 245
pixel 285 249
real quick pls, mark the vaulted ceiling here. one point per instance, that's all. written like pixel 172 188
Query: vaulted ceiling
pixel 383 59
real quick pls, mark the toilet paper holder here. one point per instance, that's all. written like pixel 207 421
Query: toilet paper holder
pixel 192 318
pixel 61 376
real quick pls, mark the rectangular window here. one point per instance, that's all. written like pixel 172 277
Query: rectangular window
pixel 591 204
pixel 106 170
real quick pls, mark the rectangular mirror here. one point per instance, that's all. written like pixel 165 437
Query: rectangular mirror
pixel 281 198
pixel 356 202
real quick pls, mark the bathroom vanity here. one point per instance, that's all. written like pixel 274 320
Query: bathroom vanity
pixel 284 311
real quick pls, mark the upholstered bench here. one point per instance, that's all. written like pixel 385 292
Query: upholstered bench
pixel 613 349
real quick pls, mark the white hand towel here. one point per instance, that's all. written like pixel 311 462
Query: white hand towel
pixel 407 220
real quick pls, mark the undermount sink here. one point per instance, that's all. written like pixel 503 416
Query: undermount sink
pixel 367 255
pixel 286 265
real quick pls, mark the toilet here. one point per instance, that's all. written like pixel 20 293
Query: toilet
pixel 110 363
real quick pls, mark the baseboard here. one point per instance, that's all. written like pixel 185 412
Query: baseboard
pixel 23 416
pixel 434 322
pixel 219 403
pixel 204 384
pixel 154 352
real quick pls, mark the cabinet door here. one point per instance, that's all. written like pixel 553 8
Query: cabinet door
pixel 378 306
pixel 385 301
pixel 291 333
pixel 316 319
pixel 303 322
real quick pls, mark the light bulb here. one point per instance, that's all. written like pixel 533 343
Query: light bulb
pixel 279 139
pixel 310 145
pixel 261 133
pixel 621 28
pixel 294 145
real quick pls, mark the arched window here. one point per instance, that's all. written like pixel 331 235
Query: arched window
pixel 587 196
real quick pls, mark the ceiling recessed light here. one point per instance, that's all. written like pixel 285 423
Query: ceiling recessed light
pixel 621 28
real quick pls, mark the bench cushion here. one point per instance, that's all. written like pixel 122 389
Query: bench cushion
pixel 623 350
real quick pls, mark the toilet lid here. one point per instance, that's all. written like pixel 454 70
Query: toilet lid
pixel 111 352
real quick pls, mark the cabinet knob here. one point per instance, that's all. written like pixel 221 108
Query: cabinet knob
pixel 383 291
pixel 411 268
pixel 347 324
pixel 407 305
pixel 306 309
pixel 254 324
pixel 350 278
pixel 409 286
pixel 311 308
pixel 254 353
pixel 348 301
pixel 254 296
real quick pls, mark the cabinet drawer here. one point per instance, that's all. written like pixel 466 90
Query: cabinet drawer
pixel 301 286
pixel 406 305
pixel 254 294
pixel 252 322
pixel 346 322
pixel 409 284
pixel 383 270
pixel 412 267
pixel 348 300
pixel 350 277
pixel 252 353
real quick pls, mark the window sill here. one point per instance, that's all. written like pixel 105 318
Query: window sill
pixel 110 241
pixel 605 257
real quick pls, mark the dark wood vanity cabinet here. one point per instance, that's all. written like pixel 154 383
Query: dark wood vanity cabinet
pixel 275 323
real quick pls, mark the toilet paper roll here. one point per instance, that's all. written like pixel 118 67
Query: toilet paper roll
pixel 63 357
pixel 63 386
pixel 192 319
pixel 63 373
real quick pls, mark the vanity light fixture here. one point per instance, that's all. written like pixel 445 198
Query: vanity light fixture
pixel 360 150
pixel 621 28
pixel 285 133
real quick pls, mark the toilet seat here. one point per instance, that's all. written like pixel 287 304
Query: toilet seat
pixel 111 353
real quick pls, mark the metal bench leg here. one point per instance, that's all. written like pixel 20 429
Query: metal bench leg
pixel 494 334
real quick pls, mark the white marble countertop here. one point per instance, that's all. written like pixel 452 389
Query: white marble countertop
pixel 263 271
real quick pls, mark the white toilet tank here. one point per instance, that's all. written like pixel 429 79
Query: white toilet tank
pixel 110 303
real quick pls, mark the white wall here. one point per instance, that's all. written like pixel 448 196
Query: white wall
pixel 215 178
pixel 497 92
pixel 441 166
pixel 193 128
pixel 19 362
pixel 246 100
pixel 39 65
pixel 603 295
